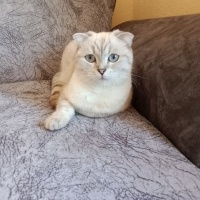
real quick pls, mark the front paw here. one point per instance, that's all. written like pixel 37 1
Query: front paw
pixel 56 121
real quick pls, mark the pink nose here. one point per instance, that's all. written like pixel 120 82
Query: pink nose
pixel 101 71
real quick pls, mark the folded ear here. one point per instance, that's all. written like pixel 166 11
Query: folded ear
pixel 125 36
pixel 81 37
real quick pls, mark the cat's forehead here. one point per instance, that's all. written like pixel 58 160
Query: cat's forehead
pixel 103 38
pixel 100 43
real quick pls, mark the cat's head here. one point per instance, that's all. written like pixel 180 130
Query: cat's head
pixel 104 57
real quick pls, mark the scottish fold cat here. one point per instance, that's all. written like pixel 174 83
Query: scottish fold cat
pixel 94 79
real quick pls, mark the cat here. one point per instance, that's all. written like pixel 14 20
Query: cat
pixel 94 79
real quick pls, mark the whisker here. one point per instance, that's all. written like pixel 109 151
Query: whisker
pixel 140 77
pixel 135 83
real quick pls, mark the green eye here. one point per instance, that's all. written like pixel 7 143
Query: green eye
pixel 90 58
pixel 113 58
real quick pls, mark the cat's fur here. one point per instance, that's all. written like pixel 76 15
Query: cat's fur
pixel 97 88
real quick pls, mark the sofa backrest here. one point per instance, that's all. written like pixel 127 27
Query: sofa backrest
pixel 34 33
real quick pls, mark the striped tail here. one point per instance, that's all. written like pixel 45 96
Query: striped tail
pixel 56 88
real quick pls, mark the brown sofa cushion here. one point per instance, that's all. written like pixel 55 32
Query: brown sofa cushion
pixel 167 57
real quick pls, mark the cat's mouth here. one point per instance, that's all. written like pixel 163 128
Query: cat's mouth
pixel 102 77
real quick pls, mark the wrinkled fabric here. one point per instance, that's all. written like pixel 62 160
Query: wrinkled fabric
pixel 33 33
pixel 119 157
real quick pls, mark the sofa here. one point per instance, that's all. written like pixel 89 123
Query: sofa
pixel 142 153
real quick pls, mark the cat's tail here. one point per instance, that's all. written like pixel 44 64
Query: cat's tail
pixel 56 88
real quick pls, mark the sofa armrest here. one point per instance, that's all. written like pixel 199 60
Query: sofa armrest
pixel 167 65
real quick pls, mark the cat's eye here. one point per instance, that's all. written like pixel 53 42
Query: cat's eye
pixel 90 58
pixel 113 58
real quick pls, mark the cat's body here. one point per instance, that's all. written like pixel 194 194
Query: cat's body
pixel 95 77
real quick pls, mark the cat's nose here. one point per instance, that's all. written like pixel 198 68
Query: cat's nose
pixel 101 71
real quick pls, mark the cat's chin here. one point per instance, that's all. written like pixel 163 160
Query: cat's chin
pixel 103 80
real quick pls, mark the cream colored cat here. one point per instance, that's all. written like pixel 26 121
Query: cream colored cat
pixel 94 79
